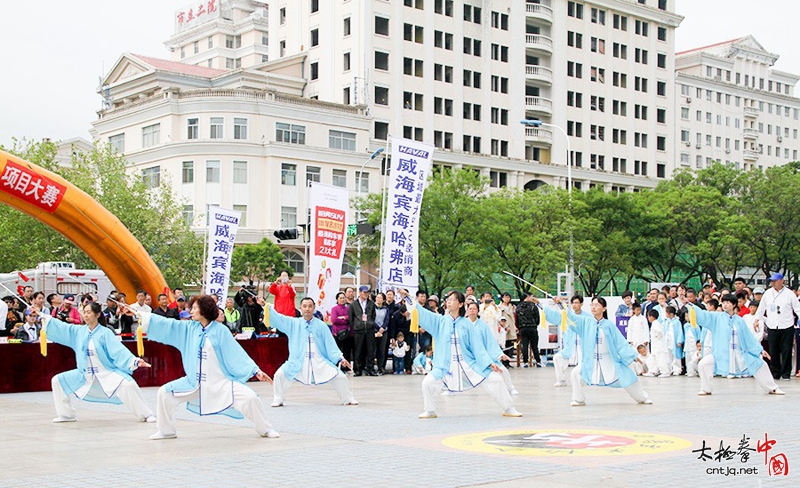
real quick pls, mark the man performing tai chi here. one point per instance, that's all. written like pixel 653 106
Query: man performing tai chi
pixel 491 345
pixel 607 356
pixel 104 366
pixel 734 349
pixel 466 365
pixel 314 358
pixel 570 354
pixel 216 367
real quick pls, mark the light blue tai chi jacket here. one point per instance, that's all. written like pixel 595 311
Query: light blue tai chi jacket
pixel 677 333
pixel 620 351
pixel 109 350
pixel 720 325
pixel 441 329
pixel 488 340
pixel 297 330
pixel 188 336
pixel 568 336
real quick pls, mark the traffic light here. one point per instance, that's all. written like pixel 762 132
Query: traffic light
pixel 285 234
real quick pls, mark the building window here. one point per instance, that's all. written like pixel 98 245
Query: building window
pixel 314 37
pixel 217 126
pixel 313 173
pixel 210 42
pixel 381 130
pixel 314 6
pixel 295 262
pixel 240 172
pixel 381 26
pixel 288 217
pixel 314 67
pixel 282 16
pixel 381 95
pixel 233 42
pixel 187 172
pixel 342 140
pixel 239 128
pixel 381 60
pixel 152 177
pixel 288 174
pixel 192 128
pixel 662 34
pixel 498 179
pixel 294 134
pixel 151 135
pixel 196 47
pixel 339 178
pixel 346 63
pixel 212 171
pixel 347 27
pixel 117 142
pixel 188 214
pixel 362 181
pixel 243 210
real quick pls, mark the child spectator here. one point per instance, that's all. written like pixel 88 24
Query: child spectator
pixel 645 363
pixel 399 349
pixel 673 331
pixel 638 332
pixel 658 345
pixel 693 358
pixel 424 361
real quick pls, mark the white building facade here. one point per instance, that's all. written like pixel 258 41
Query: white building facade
pixel 462 74
pixel 732 107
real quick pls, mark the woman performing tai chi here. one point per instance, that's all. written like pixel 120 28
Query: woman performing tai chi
pixel 216 367
pixel 466 365
pixel 104 366
pixel 606 354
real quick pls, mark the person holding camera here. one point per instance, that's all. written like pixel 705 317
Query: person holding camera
pixel 283 291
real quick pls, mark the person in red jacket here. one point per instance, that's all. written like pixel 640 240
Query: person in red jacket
pixel 284 293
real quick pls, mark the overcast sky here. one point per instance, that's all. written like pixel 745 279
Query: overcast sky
pixel 59 49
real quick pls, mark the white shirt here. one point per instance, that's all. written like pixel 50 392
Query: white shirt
pixel 777 306
pixel 605 371
pixel 637 332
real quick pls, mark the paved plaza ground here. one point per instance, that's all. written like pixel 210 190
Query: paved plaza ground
pixel 611 442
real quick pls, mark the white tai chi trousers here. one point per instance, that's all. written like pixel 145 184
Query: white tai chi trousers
pixel 506 377
pixel 245 400
pixel 128 392
pixel 705 368
pixel 561 364
pixel 493 385
pixel 635 390
pixel 280 383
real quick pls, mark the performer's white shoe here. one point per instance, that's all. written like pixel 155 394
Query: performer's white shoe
pixel 777 391
pixel 159 436
pixel 351 402
pixel 575 403
pixel 560 383
pixel 60 419
pixel 427 415
pixel 271 434
pixel 665 375
pixel 276 403
pixel 513 391
pixel 512 412
pixel 149 419
pixel 703 393
pixel 646 402
pixel 447 393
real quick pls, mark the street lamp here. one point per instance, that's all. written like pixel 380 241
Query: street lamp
pixel 571 273
pixel 358 194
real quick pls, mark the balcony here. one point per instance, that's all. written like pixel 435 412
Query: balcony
pixel 539 134
pixel 751 112
pixel 539 73
pixel 750 155
pixel 539 105
pixel 539 43
pixel 538 11
pixel 750 134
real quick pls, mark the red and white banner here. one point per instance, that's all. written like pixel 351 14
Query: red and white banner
pixel 32 187
pixel 329 207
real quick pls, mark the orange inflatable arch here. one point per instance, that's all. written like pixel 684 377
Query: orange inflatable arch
pixel 61 205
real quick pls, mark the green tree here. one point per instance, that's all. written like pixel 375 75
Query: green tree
pixel 153 216
pixel 258 263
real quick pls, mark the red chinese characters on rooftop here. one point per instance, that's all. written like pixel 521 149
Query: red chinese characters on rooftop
pixel 28 185
pixel 195 13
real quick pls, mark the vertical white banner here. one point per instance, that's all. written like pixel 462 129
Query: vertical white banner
pixel 329 206
pixel 411 164
pixel 222 227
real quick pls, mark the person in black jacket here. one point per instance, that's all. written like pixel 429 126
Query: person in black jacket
pixel 528 324
pixel 361 316
pixel 251 311
pixel 401 322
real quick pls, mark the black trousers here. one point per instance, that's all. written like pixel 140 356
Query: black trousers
pixel 530 338
pixel 381 349
pixel 364 358
pixel 780 348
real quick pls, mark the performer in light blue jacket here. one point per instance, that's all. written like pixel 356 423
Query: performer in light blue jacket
pixel 734 349
pixel 606 354
pixel 216 368
pixel 104 366
pixel 313 355
pixel 466 364
pixel 570 353
pixel 491 345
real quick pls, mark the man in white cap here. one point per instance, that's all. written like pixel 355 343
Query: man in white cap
pixel 775 310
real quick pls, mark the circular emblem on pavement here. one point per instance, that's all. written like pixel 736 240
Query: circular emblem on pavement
pixel 566 443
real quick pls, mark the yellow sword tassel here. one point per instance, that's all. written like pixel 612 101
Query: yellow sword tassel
pixel 43 342
pixel 563 321
pixel 139 342
pixel 414 320
pixel 693 317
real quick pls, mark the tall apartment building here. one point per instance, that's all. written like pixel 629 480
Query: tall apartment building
pixel 734 108
pixel 462 74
